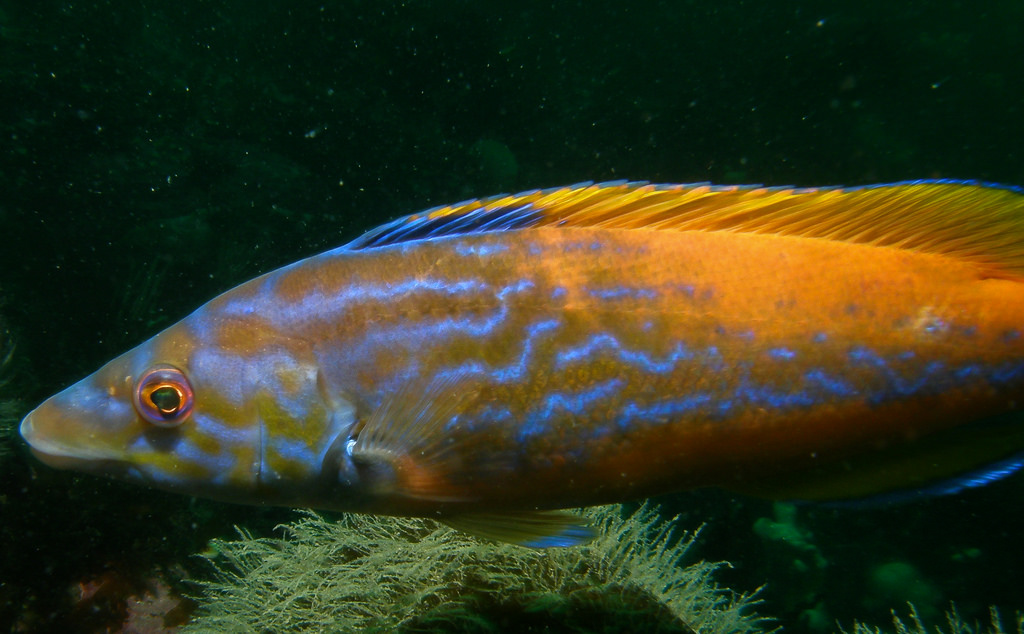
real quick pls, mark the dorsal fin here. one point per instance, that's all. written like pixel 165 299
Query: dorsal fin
pixel 978 222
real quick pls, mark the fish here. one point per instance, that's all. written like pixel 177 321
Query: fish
pixel 492 363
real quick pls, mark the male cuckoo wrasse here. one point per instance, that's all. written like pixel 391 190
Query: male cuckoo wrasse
pixel 490 362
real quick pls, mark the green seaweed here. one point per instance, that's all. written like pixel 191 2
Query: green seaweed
pixel 954 624
pixel 382 573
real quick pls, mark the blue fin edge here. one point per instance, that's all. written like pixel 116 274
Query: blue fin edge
pixel 972 480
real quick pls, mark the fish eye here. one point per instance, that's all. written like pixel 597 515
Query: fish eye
pixel 163 396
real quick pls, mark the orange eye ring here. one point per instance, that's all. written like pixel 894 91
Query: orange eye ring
pixel 163 396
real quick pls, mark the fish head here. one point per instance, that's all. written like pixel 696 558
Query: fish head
pixel 237 418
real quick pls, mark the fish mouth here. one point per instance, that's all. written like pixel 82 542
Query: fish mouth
pixel 54 454
pixel 67 462
pixel 58 461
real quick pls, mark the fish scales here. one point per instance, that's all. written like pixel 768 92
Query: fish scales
pixel 558 365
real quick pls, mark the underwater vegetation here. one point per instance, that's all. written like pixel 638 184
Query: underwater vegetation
pixel 8 405
pixel 381 573
pixel 954 624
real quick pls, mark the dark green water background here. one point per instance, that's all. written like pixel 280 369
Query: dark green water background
pixel 155 153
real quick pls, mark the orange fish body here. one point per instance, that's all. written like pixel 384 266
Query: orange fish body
pixel 587 345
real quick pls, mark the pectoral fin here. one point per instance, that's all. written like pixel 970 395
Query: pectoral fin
pixel 406 448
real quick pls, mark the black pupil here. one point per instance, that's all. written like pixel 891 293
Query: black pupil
pixel 166 399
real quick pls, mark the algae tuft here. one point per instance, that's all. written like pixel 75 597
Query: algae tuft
pixel 383 573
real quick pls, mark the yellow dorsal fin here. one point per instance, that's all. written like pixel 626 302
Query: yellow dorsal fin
pixel 971 221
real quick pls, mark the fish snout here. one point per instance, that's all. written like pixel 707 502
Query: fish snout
pixel 78 428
